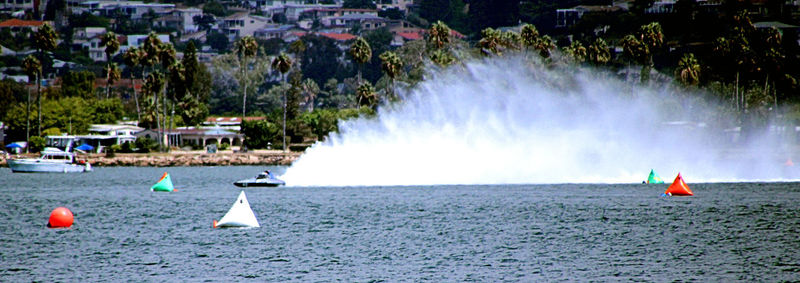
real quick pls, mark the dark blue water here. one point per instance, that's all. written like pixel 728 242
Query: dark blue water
pixel 520 233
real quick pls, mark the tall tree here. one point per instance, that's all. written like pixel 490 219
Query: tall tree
pixel 131 59
pixel 367 96
pixel 392 66
pixel 490 42
pixel 642 45
pixel 576 52
pixel 44 39
pixel 33 68
pixel 245 47
pixel 110 41
pixel 438 36
pixel 167 57
pixel 688 71
pixel 361 53
pixel 598 53
pixel 113 74
pixel 282 63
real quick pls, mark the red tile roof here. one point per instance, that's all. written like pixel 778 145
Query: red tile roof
pixel 410 35
pixel 20 23
pixel 338 36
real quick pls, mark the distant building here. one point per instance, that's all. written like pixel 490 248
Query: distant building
pixel 242 24
pixel 17 25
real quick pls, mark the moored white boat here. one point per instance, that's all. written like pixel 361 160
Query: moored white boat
pixel 52 160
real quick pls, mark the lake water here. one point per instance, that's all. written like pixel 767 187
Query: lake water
pixel 483 233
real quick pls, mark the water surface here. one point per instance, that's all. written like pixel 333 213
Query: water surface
pixel 483 233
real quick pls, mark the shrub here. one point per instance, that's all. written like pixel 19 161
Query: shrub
pixel 36 144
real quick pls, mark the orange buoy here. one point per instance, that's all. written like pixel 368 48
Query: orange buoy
pixel 214 224
pixel 679 188
pixel 61 217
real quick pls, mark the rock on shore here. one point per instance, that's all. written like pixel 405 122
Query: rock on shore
pixel 189 159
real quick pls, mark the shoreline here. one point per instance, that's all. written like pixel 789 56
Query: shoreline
pixel 185 158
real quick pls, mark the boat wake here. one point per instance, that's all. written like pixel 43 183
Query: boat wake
pixel 505 122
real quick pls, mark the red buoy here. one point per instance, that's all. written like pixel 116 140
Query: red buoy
pixel 61 217
pixel 679 187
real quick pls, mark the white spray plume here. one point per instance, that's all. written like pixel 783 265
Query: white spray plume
pixel 502 121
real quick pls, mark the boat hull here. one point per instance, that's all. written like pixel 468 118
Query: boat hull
pixel 39 166
pixel 253 182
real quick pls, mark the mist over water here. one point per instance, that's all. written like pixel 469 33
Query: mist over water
pixel 503 121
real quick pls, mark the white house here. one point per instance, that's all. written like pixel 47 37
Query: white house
pixel 242 24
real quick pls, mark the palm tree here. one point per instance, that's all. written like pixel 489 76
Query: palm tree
pixel 109 40
pixel 167 57
pixel 490 41
pixel 598 53
pixel 282 63
pixel 391 66
pixel 245 47
pixel 366 95
pixel 361 52
pixel 438 35
pixel 112 76
pixel 641 46
pixel 44 39
pixel 177 81
pixel 529 35
pixel 544 44
pixel 131 59
pixel 442 58
pixel 33 68
pixel 688 71
pixel 576 52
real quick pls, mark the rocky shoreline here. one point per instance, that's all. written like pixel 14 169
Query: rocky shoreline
pixel 187 159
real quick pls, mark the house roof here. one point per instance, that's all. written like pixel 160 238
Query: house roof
pixel 410 35
pixel 213 120
pixel 338 36
pixel 20 23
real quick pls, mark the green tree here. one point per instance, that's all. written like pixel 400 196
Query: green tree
pixel 215 8
pixel 367 96
pixel 131 58
pixel 217 41
pixel 245 47
pixel 688 71
pixel 392 66
pixel 490 42
pixel 358 4
pixel 642 45
pixel 197 88
pixel 438 36
pixel 544 44
pixel 44 39
pixel 33 68
pixel 260 134
pixel 113 74
pixel 110 41
pixel 598 53
pixel 576 52
pixel 78 84
pixel 283 64
pixel 361 53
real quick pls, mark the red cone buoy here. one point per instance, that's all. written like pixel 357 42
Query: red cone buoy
pixel 679 187
pixel 61 217
pixel 788 163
